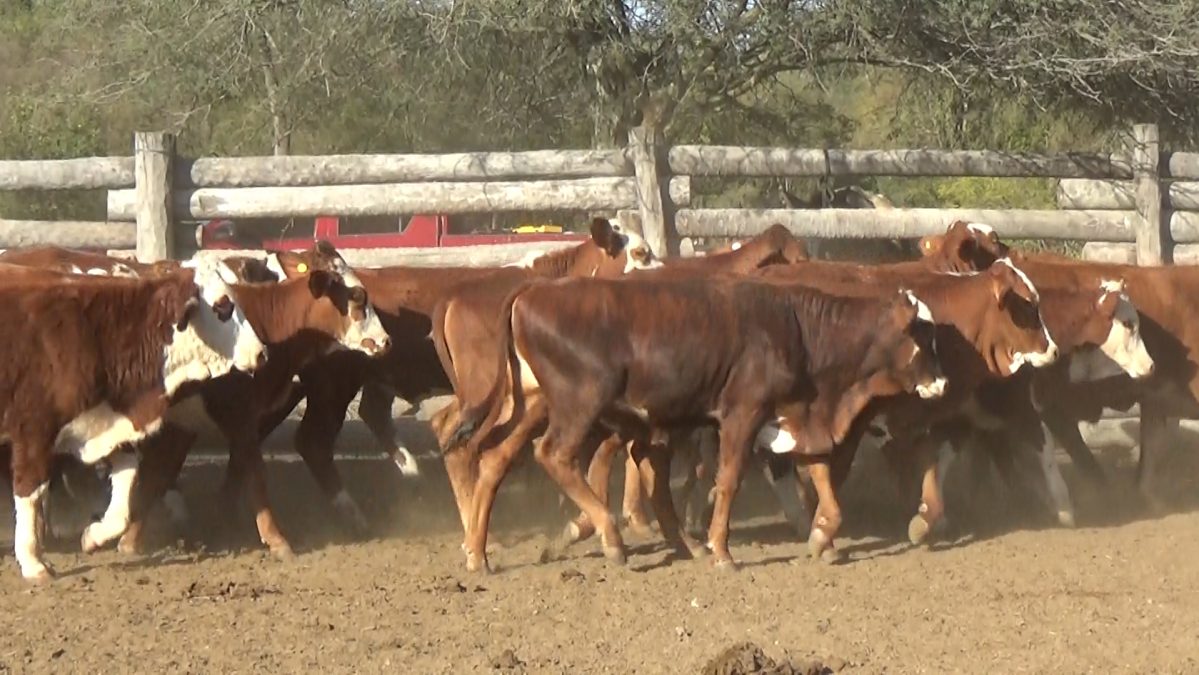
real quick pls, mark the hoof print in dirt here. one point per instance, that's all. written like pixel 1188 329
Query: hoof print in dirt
pixel 508 662
pixel 573 575
pixel 746 658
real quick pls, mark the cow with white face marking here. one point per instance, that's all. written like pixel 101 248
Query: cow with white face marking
pixel 91 364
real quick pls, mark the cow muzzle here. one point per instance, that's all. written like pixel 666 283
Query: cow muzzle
pixel 934 389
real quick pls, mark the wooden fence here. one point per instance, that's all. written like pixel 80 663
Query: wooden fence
pixel 1134 204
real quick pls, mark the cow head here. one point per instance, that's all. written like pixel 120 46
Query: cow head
pixel 343 309
pixel 1015 331
pixel 965 247
pixel 212 335
pixel 623 250
pixel 1114 327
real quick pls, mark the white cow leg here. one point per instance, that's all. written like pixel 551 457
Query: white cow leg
pixel 116 516
pixel 27 545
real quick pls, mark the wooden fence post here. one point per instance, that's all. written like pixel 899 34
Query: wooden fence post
pixel 654 205
pixel 153 163
pixel 1152 225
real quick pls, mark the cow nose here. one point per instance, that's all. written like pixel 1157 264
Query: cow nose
pixel 260 360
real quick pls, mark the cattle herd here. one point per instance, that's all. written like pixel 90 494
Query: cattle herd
pixel 752 352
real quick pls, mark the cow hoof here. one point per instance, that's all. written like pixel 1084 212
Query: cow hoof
pixel 832 556
pixel 128 546
pixel 638 526
pixel 406 463
pixel 283 553
pixel 918 529
pixel 574 532
pixel 477 563
pixel 1065 518
pixel 818 541
pixel 88 542
pixel 40 577
pixel 724 565
pixel 615 554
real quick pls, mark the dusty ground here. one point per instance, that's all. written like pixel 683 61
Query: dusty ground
pixel 1005 593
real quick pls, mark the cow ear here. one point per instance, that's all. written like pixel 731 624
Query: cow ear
pixel 1001 282
pixel 931 244
pixel 1107 305
pixel 189 311
pixel 605 237
pixel 325 248
pixel 319 282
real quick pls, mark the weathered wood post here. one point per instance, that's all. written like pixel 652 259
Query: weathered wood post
pixel 153 164
pixel 1152 226
pixel 653 204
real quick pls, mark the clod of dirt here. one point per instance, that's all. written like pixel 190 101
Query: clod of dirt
pixel 572 574
pixel 507 661
pixel 746 658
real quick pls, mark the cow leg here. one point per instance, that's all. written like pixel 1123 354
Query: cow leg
pixel 1155 434
pixel 932 506
pixel 633 505
pixel 783 479
pixel 1059 492
pixel 375 410
pixel 241 431
pixel 314 441
pixel 30 481
pixel 653 462
pixel 828 513
pixel 599 473
pixel 116 516
pixel 1065 430
pixel 162 461
pixel 493 465
pixel 461 462
pixel 736 442
pixel 558 454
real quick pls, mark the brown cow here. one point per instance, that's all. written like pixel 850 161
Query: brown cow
pixel 405 299
pixel 301 319
pixel 470 332
pixel 667 352
pixel 989 326
pixel 92 364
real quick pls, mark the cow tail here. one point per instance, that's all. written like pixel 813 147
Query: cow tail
pixel 437 335
pixel 478 419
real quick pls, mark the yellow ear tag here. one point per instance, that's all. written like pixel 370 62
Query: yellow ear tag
pixel 302 268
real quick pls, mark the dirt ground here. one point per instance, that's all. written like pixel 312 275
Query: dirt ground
pixel 1003 591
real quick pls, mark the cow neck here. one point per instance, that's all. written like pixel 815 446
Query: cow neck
pixel 276 311
pixel 833 329
pixel 966 303
pixel 139 363
pixel 392 290
pixel 572 261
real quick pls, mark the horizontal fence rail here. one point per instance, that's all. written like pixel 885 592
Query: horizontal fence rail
pixel 582 194
pixel 718 160
pixel 1138 204
pixel 299 170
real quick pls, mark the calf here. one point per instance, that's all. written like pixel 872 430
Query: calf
pixel 989 326
pixel 300 319
pixel 470 329
pixel 91 364
pixel 668 352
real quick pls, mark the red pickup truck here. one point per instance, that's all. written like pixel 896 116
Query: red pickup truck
pixel 425 231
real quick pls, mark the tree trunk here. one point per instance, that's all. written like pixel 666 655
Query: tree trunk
pixel 281 135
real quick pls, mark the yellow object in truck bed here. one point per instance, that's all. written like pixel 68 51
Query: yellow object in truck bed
pixel 538 229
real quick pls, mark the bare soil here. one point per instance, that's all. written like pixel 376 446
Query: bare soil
pixel 1003 590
